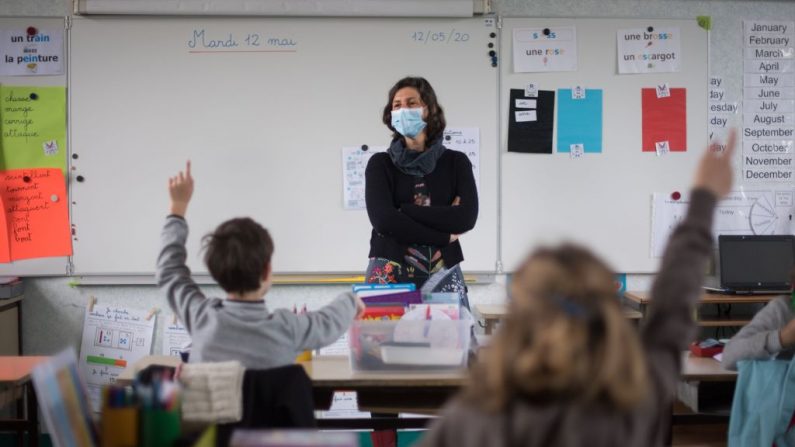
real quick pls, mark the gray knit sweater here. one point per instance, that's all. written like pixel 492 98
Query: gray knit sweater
pixel 667 330
pixel 241 330
pixel 759 339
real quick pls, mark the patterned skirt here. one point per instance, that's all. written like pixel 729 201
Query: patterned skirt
pixel 422 266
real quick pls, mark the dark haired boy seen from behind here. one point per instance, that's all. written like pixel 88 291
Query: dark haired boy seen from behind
pixel 240 327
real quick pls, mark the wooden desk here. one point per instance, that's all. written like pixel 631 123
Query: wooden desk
pixel 493 313
pixel 705 369
pixel 642 299
pixel 15 376
pixel 389 393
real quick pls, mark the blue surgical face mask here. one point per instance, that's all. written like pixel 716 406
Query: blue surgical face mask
pixel 408 122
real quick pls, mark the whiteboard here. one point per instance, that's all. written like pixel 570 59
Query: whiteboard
pixel 264 127
pixel 601 200
pixel 42 266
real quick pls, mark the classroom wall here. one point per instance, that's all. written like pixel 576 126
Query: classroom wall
pixel 53 311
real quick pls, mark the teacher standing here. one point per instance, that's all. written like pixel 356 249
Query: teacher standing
pixel 420 196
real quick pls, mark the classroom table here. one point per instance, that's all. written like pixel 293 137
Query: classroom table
pixel 643 299
pixel 393 393
pixel 17 386
pixel 702 369
pixel 381 393
pixel 493 313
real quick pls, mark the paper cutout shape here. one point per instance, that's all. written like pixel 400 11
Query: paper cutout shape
pixel 662 147
pixel 36 225
pixel 533 137
pixel 663 91
pixel 524 116
pixel 576 150
pixel 580 120
pixel 664 119
pixel 32 127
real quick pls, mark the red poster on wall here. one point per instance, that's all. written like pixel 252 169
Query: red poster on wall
pixel 36 213
pixel 664 119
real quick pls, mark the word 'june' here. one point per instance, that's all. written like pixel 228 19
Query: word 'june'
pixel 201 40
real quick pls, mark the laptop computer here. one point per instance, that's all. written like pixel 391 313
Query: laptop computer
pixel 753 264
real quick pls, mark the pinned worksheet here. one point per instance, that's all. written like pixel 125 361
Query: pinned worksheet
pixel 545 49
pixel 114 338
pixel 36 214
pixel 354 163
pixel 32 127
pixel 175 337
pixel 758 211
pixel 466 140
pixel 31 51
pixel 649 50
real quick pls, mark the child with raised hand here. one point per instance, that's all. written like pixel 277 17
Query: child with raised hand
pixel 239 327
pixel 566 368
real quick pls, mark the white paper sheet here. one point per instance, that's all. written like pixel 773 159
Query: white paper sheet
pixel 642 50
pixel 537 51
pixel 466 140
pixel 175 337
pixel 344 405
pixel 339 347
pixel 26 54
pixel 114 338
pixel 354 162
pixel 751 211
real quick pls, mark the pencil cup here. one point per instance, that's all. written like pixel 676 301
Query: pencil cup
pixel 119 427
pixel 159 428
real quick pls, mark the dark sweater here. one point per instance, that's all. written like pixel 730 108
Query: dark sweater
pixel 398 223
pixel 669 327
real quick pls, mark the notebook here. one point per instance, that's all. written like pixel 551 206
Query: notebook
pixel 63 400
pixel 753 264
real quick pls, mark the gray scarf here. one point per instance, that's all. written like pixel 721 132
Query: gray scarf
pixel 415 163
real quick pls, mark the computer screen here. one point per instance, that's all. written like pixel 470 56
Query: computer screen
pixel 757 262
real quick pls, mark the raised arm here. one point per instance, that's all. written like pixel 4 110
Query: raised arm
pixel 173 276
pixel 387 219
pixel 458 217
pixel 677 287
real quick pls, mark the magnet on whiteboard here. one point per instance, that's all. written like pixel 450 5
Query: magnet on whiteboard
pixel 26 179
pixel 32 31
pixel 676 195
pixel 54 197
pixel 34 96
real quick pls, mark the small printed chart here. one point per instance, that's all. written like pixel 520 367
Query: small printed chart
pixel 764 219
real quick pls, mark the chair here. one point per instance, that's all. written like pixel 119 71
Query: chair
pixel 273 398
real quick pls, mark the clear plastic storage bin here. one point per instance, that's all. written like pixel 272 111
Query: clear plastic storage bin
pixel 410 345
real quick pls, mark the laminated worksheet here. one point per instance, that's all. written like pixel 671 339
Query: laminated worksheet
pixel 756 211
pixel 114 338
